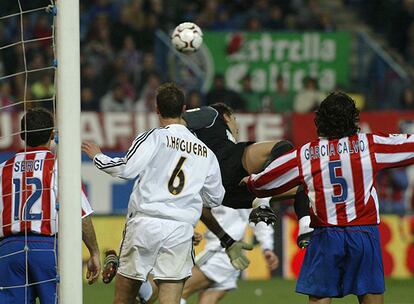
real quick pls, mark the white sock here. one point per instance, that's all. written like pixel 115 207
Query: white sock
pixel 145 291
pixel 182 301
pixel 304 223
pixel 261 201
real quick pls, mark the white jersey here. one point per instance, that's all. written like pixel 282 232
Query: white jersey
pixel 234 222
pixel 176 173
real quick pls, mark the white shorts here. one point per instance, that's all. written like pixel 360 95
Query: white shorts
pixel 158 245
pixel 217 267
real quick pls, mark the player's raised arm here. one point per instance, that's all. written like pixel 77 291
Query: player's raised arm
pixel 281 175
pixel 128 167
pixel 394 150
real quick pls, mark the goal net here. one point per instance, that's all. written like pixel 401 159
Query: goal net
pixel 31 77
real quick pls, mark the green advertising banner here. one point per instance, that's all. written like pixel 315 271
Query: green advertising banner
pixel 264 56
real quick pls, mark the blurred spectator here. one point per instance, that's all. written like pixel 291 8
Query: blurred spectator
pixel 91 79
pixel 130 55
pixel 275 21
pixel 124 79
pixel 42 28
pixel 252 99
pixel 116 100
pixel 194 100
pixel 43 88
pixel 219 93
pixel 148 68
pixel 254 24
pixel 407 99
pixel 106 7
pixel 146 101
pixel 282 99
pixel 115 34
pixel 391 185
pixel 89 102
pixel 98 51
pixel 6 99
pixel 309 98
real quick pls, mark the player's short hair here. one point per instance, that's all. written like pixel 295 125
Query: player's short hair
pixel 222 109
pixel 36 127
pixel 337 116
pixel 170 100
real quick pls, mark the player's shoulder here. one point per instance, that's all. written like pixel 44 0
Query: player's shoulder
pixel 199 118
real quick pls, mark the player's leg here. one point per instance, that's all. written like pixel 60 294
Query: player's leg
pixel 148 292
pixel 301 206
pixel 139 249
pixel 259 155
pixel 371 299
pixel 316 300
pixel 322 273
pixel 174 261
pixel 13 271
pixel 169 292
pixel 126 290
pixel 42 267
pixel 211 296
pixel 363 268
pixel 196 282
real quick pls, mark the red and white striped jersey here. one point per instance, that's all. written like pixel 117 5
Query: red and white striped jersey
pixel 338 175
pixel 28 194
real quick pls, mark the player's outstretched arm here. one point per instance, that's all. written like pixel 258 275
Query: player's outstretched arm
pixel 89 238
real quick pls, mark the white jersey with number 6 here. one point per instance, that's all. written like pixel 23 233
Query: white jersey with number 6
pixel 176 173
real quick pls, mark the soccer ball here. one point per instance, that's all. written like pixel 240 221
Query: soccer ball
pixel 187 37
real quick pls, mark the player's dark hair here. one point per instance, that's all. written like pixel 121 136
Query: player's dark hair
pixel 337 116
pixel 170 100
pixel 36 127
pixel 222 109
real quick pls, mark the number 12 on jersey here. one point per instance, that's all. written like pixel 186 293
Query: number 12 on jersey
pixel 338 181
pixel 177 174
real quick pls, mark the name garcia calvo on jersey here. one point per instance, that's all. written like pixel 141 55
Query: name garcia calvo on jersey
pixel 177 143
pixel 333 149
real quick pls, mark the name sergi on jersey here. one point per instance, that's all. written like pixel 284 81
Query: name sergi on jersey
pixel 176 173
pixel 338 175
pixel 28 194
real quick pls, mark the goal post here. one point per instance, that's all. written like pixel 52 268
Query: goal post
pixel 69 154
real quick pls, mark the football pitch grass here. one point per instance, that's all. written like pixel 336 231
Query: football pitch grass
pixel 275 291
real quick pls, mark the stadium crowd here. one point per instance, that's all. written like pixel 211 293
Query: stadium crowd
pixel 118 67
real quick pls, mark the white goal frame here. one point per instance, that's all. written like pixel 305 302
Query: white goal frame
pixel 69 154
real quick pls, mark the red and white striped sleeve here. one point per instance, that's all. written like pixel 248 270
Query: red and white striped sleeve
pixel 86 206
pixel 393 150
pixel 280 176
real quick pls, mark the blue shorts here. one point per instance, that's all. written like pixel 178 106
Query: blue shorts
pixel 341 261
pixel 41 266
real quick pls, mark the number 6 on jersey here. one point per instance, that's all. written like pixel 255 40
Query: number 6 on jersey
pixel 177 173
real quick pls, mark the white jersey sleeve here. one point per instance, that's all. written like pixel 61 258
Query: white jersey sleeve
pixel 135 160
pixel 212 192
pixel 264 234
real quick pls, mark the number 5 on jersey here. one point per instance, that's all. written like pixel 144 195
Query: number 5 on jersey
pixel 338 180
pixel 177 174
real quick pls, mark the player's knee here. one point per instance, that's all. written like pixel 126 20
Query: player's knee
pixel 280 148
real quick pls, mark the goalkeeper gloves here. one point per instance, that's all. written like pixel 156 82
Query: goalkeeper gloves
pixel 110 266
pixel 235 253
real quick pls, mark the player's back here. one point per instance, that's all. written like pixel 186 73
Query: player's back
pixel 339 175
pixel 172 185
pixel 27 193
pixel 211 129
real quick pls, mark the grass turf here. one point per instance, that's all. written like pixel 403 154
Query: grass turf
pixel 274 291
